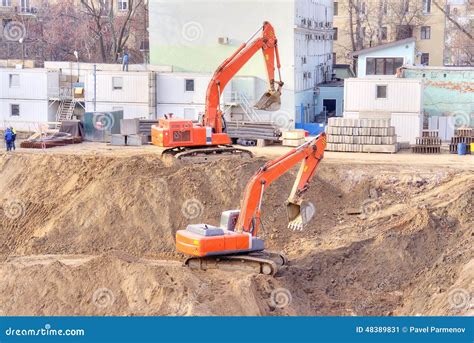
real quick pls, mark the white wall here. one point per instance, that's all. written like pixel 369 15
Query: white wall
pixel 136 98
pixel 130 111
pixel 32 95
pixel 32 113
pixel 403 95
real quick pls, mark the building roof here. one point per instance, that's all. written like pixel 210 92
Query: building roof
pixel 443 68
pixel 383 46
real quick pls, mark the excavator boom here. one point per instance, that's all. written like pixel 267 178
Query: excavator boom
pixel 230 67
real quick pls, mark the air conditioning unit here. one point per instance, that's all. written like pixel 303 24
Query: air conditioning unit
pixel 223 40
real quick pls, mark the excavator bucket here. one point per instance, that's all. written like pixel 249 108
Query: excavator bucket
pixel 299 215
pixel 270 101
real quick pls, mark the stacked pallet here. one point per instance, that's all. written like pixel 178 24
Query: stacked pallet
pixel 429 143
pixel 145 127
pixel 464 135
pixel 361 135
pixel 253 131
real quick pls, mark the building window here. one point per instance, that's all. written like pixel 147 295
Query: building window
pixel 426 6
pixel 425 32
pixel 404 31
pixel 425 59
pixel 25 6
pixel 189 84
pixel 334 58
pixel 5 22
pixel 383 33
pixel 6 3
pixel 336 8
pixel 334 36
pixel 406 6
pixel 123 5
pixel 383 66
pixel 117 83
pixel 15 110
pixel 381 92
pixel 14 80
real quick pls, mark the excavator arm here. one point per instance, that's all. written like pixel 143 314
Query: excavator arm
pixel 231 66
pixel 310 155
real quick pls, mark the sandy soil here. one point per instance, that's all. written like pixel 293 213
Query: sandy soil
pixel 89 230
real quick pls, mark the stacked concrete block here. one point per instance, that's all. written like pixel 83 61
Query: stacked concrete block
pixel 361 135
pixel 129 134
pixel 294 138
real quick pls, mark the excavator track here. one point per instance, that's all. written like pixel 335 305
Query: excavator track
pixel 206 154
pixel 265 262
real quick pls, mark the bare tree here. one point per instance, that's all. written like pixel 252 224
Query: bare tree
pixel 111 29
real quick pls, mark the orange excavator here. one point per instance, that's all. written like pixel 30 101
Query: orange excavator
pixel 235 243
pixel 186 140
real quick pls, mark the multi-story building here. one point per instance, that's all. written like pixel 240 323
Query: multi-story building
pixel 195 36
pixel 361 24
pixel 459 47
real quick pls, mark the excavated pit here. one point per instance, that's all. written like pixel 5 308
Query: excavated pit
pixel 94 235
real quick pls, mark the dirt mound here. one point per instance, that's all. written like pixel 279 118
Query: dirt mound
pixel 86 235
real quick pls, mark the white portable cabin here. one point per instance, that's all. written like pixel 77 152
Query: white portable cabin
pixel 400 100
pixel 134 92
pixel 24 97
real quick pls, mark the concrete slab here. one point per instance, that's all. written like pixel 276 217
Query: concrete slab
pixel 130 126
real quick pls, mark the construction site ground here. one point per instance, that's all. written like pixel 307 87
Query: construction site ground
pixel 89 230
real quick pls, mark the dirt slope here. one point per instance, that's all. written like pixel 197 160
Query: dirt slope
pixel 84 235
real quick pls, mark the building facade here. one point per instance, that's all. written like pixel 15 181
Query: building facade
pixel 197 35
pixel 363 24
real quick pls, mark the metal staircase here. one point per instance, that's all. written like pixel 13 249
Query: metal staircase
pixel 65 109
pixel 241 100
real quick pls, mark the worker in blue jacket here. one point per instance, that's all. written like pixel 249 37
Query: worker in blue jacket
pixel 9 139
pixel 14 137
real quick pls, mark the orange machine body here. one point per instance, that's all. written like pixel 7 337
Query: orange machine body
pixel 194 244
pixel 178 132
